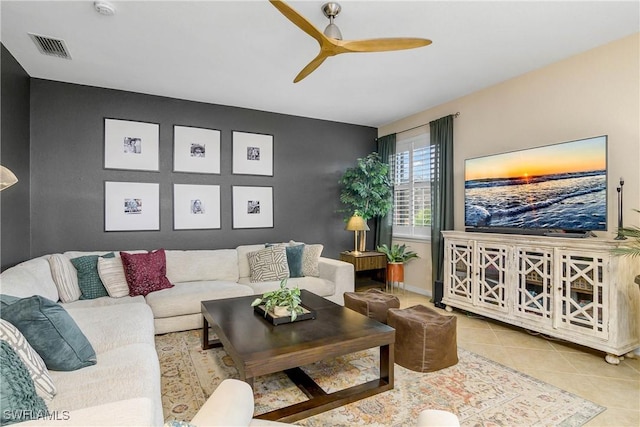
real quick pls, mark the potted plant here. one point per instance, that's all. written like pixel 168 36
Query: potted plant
pixel 367 190
pixel 397 255
pixel 281 302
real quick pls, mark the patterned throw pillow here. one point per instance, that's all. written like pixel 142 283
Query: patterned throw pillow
pixel 88 277
pixel 19 400
pixel 65 277
pixel 145 273
pixel 32 361
pixel 310 259
pixel 268 264
pixel 112 275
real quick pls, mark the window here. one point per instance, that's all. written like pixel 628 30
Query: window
pixel 411 174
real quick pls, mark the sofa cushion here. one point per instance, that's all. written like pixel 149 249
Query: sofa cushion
pixel 19 399
pixel 243 261
pixel 268 264
pixel 66 278
pixel 50 331
pixel 194 265
pixel 145 273
pixel 104 301
pixel 32 277
pixel 31 359
pixel 310 259
pixel 88 278
pixel 111 274
pixel 128 324
pixel 185 298
pixel 126 372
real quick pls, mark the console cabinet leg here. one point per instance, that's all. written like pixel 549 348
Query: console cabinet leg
pixel 612 359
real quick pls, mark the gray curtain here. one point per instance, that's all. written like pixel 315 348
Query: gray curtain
pixel 386 146
pixel 441 190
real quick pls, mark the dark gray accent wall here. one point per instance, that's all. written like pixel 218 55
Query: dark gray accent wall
pixel 14 154
pixel 67 174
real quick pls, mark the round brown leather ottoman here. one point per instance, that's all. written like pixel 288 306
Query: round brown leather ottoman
pixel 373 303
pixel 426 341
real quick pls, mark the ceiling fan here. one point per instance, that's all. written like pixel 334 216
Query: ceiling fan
pixel 331 42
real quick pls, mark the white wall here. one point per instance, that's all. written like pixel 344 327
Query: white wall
pixel 590 94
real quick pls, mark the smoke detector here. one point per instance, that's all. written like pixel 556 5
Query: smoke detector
pixel 104 8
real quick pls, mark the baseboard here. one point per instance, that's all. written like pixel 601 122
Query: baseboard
pixel 420 291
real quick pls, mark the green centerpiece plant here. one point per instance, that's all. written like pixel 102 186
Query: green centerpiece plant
pixel 281 302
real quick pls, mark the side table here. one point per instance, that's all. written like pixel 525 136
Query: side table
pixel 368 266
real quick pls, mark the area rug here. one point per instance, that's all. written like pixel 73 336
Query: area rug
pixel 481 392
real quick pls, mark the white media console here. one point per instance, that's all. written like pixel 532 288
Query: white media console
pixel 573 289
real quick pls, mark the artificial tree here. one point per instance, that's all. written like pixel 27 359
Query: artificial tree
pixel 366 189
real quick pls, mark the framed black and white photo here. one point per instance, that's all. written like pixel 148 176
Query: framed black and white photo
pixel 196 150
pixel 131 145
pixel 252 207
pixel 252 153
pixel 130 206
pixel 196 207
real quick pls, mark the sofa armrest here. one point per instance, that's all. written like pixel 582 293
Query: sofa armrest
pixel 341 274
pixel 231 404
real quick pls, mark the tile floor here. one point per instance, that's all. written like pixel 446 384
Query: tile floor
pixel 579 370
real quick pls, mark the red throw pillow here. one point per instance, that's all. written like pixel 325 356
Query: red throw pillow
pixel 145 272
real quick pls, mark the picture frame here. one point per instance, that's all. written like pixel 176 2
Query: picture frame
pixel 196 150
pixel 131 206
pixel 252 153
pixel 196 207
pixel 131 145
pixel 252 207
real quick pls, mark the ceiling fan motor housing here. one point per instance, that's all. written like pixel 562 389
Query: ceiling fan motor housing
pixel 331 10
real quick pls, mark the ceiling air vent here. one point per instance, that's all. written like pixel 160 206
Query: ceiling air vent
pixel 50 46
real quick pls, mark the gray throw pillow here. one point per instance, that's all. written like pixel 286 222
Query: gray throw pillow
pixel 50 330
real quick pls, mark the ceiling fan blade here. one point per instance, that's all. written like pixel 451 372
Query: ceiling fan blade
pixel 382 45
pixel 299 20
pixel 311 66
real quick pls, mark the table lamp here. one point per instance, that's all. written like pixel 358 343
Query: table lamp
pixel 7 178
pixel 357 224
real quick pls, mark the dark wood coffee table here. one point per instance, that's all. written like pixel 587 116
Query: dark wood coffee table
pixel 259 348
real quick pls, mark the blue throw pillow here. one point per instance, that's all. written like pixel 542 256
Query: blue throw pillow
pixel 294 259
pixel 88 278
pixel 18 398
pixel 50 330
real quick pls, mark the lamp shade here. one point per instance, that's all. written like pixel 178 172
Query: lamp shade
pixel 357 223
pixel 7 178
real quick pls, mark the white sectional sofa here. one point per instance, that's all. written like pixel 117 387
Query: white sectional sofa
pixel 123 387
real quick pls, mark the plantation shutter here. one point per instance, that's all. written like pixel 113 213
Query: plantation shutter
pixel 411 169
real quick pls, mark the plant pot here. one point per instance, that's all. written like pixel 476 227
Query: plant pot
pixel 281 311
pixel 395 272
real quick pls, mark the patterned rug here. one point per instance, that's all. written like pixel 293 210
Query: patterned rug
pixel 481 392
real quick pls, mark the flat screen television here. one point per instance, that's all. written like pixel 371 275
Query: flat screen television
pixel 554 188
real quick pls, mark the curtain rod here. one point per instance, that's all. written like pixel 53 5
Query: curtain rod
pixel 419 126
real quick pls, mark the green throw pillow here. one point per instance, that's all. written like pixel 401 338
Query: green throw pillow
pixel 88 278
pixel 18 398
pixel 50 330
